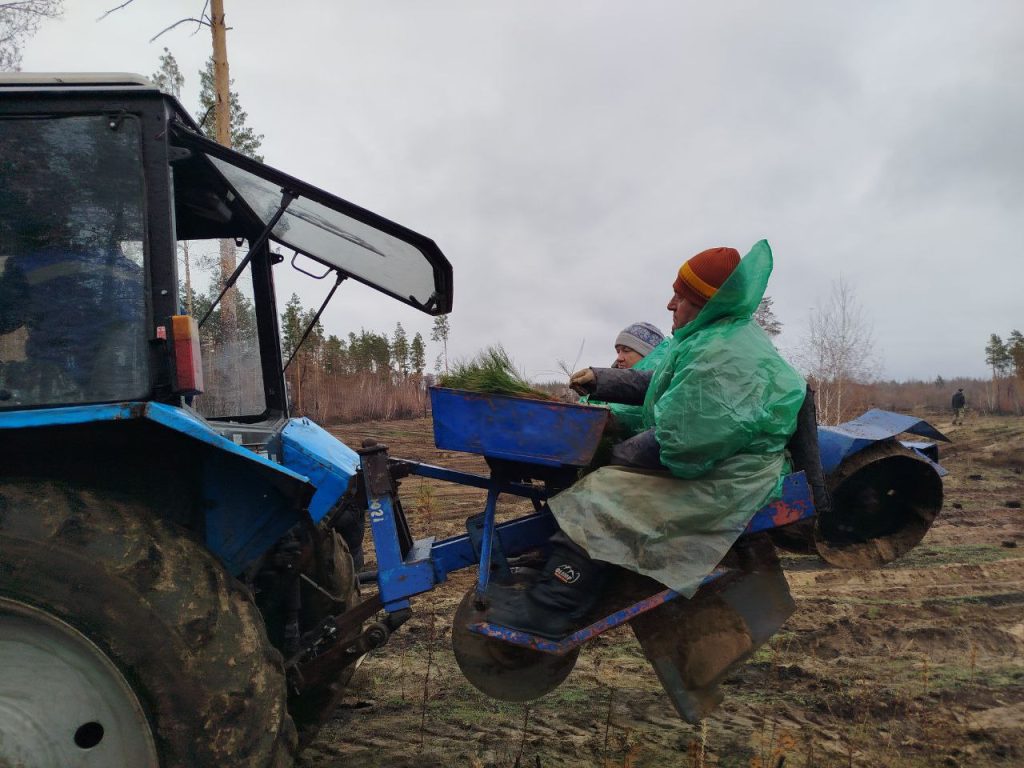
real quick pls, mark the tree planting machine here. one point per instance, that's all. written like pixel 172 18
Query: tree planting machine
pixel 178 555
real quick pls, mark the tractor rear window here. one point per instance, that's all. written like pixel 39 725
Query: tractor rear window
pixel 72 301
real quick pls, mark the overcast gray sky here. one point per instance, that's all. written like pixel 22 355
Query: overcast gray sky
pixel 568 156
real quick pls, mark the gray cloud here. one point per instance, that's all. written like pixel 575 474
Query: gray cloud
pixel 568 156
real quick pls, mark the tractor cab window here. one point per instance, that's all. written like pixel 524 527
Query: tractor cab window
pixel 229 339
pixel 72 284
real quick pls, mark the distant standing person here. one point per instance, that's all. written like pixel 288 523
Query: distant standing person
pixel 959 406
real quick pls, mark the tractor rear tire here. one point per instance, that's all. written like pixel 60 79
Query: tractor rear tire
pixel 127 598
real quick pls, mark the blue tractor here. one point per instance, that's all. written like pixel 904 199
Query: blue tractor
pixel 178 556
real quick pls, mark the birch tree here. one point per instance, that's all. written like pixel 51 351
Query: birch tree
pixel 838 350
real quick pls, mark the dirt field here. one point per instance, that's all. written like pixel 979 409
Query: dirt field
pixel 916 664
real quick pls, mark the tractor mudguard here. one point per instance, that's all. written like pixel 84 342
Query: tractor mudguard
pixel 246 502
pixel 315 453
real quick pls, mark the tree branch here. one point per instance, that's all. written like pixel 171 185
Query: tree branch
pixel 125 4
pixel 175 24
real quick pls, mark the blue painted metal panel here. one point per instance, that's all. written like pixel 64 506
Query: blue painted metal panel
pixel 246 511
pixel 797 503
pixel 326 461
pixel 846 439
pixel 517 429
pixel 178 419
pixel 927 452
pixel 76 414
pixel 249 501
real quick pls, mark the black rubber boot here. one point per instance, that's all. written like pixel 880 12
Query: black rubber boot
pixel 552 607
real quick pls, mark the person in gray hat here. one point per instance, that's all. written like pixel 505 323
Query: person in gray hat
pixel 639 346
pixel 634 343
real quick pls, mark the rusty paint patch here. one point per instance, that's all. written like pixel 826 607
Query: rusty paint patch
pixel 784 514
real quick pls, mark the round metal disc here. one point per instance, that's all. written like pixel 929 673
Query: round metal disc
pixel 501 670
pixel 62 700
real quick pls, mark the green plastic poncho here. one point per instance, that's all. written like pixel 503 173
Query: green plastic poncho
pixel 723 405
pixel 629 419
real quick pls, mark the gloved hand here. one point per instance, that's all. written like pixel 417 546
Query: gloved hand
pixel 583 382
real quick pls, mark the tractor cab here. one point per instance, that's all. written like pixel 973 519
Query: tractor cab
pixel 109 193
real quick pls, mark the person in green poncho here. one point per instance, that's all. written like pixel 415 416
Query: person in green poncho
pixel 718 411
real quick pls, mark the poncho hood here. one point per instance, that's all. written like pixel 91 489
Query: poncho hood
pixel 740 294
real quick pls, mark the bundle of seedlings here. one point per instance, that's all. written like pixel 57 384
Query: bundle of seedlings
pixel 491 372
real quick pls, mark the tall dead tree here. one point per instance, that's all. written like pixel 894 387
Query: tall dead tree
pixel 222 121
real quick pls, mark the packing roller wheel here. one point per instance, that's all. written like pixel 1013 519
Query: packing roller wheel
pixel 501 670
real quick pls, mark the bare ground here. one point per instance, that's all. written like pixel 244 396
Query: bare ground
pixel 915 664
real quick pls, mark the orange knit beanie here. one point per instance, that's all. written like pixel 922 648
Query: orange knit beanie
pixel 702 275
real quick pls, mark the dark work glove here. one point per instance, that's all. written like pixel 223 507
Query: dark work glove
pixel 641 451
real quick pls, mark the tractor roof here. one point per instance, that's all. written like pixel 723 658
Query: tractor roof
pixel 60 80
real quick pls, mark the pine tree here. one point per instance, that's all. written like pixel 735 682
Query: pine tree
pixel 243 138
pixel 168 78
pixel 334 355
pixel 440 332
pixel 1015 348
pixel 997 356
pixel 765 317
pixel 291 325
pixel 417 355
pixel 400 350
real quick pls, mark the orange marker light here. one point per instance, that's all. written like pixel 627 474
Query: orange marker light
pixel 188 363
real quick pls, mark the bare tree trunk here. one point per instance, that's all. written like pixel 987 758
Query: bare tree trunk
pixel 221 78
pixel 188 277
pixel 222 117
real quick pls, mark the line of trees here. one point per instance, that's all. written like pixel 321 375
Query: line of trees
pixel 366 352
pixel 366 375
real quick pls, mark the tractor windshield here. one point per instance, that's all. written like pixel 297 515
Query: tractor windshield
pixel 359 244
pixel 72 286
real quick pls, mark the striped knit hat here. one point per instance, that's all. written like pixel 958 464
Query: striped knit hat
pixel 701 276
pixel 640 337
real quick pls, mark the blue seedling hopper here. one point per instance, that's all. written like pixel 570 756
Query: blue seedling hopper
pixel 516 429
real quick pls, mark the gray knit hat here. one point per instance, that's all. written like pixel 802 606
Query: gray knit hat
pixel 640 337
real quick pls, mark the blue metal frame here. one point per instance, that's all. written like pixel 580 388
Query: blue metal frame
pixel 795 504
pixel 428 563
pixel 581 636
